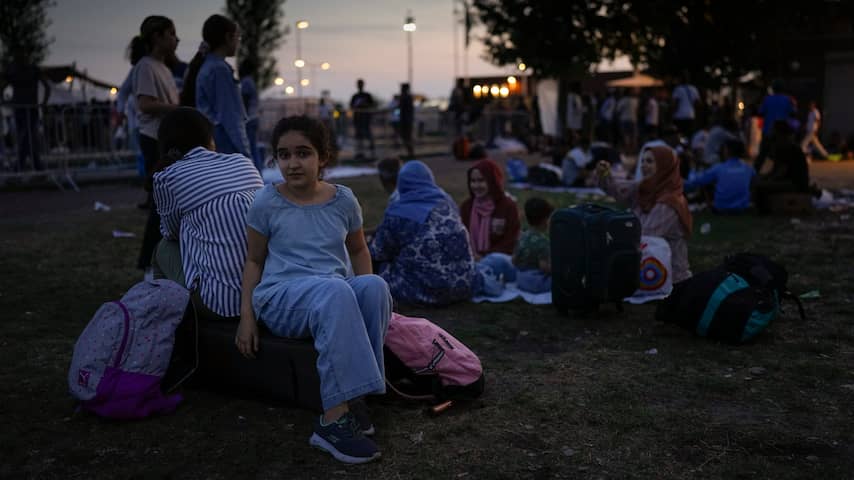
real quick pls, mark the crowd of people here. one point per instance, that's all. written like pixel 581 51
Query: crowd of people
pixel 278 254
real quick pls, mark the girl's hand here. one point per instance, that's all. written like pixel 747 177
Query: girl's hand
pixel 247 337
pixel 603 169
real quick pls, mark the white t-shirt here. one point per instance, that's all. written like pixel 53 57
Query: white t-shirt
pixel 580 157
pixel 651 117
pixel 153 79
pixel 684 96
pixel 574 111
pixel 627 108
pixel 813 120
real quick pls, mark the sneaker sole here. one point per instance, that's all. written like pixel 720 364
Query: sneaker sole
pixel 318 442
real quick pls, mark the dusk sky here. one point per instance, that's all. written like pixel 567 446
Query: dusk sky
pixel 360 39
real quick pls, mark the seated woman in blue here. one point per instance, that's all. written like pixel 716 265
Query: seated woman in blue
pixel 300 234
pixel 421 245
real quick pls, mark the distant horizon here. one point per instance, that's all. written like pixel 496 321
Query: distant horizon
pixel 373 32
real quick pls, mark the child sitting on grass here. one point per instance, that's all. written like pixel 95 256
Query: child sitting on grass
pixel 533 253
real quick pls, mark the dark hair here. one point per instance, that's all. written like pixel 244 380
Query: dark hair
pixel 248 67
pixel 151 26
pixel 136 50
pixel 182 130
pixel 215 32
pixel 314 130
pixel 388 169
pixel 537 211
pixel 734 148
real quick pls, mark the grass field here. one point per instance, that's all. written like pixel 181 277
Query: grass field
pixel 566 397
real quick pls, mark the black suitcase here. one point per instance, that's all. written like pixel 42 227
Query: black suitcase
pixel 595 257
pixel 284 370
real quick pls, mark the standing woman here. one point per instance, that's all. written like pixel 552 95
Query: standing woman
pixel 212 88
pixel 156 95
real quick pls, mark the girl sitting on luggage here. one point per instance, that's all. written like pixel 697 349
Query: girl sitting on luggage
pixel 489 214
pixel 300 234
pixel 532 257
pixel 658 202
pixel 421 247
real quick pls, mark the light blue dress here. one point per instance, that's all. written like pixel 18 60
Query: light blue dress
pixel 305 292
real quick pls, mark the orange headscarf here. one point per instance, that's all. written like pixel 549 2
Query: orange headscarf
pixel 665 186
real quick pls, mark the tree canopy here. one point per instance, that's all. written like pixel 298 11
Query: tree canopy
pixel 713 41
pixel 23 27
pixel 262 29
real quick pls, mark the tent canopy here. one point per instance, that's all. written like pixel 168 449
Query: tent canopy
pixel 638 80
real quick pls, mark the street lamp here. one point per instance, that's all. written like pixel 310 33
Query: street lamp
pixel 299 62
pixel 279 81
pixel 522 67
pixel 409 27
pixel 325 66
pixel 289 90
pixel 312 68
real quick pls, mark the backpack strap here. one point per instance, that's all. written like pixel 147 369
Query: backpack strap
pixel 788 295
pixel 125 335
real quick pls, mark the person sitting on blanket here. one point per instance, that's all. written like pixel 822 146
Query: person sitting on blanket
pixel 658 201
pixel 421 247
pixel 202 198
pixel 301 235
pixel 532 257
pixel 489 214
pixel 732 179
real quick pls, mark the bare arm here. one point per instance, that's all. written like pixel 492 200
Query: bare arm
pixel 247 331
pixel 360 256
pixel 153 106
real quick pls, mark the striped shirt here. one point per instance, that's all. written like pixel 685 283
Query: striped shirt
pixel 202 200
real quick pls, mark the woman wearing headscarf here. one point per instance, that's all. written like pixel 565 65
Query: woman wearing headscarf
pixel 491 217
pixel 421 248
pixel 658 201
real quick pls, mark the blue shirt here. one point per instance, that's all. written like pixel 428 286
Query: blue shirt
pixel 302 240
pixel 202 200
pixel 218 98
pixel 775 107
pixel 732 184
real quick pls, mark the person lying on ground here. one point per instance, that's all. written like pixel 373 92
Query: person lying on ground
pixel 301 234
pixel 658 202
pixel 421 247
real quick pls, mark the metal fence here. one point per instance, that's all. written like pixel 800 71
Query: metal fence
pixel 59 142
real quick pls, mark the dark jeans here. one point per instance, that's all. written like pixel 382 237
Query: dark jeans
pixel 152 234
pixel 27 130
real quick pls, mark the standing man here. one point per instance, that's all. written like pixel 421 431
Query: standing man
pixel 362 104
pixel 776 106
pixel 685 98
pixel 811 132
pixel 24 77
pixel 458 106
pixel 407 119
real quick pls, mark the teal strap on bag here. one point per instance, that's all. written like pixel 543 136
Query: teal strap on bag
pixel 731 284
pixel 759 320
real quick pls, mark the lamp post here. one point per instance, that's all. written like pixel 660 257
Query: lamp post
pixel 299 62
pixel 409 27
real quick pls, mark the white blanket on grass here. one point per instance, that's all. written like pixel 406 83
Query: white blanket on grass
pixel 577 191
pixel 511 293
pixel 274 175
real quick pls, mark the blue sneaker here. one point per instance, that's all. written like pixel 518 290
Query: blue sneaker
pixel 363 419
pixel 344 440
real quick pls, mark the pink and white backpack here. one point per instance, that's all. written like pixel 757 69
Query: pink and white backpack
pixel 123 353
pixel 425 362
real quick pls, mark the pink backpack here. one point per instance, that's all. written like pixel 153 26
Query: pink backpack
pixel 425 362
pixel 123 353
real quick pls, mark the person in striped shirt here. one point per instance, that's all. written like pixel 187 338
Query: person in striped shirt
pixel 202 198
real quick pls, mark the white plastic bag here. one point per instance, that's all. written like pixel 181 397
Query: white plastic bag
pixel 656 280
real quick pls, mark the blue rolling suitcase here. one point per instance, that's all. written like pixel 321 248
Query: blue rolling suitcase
pixel 595 257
